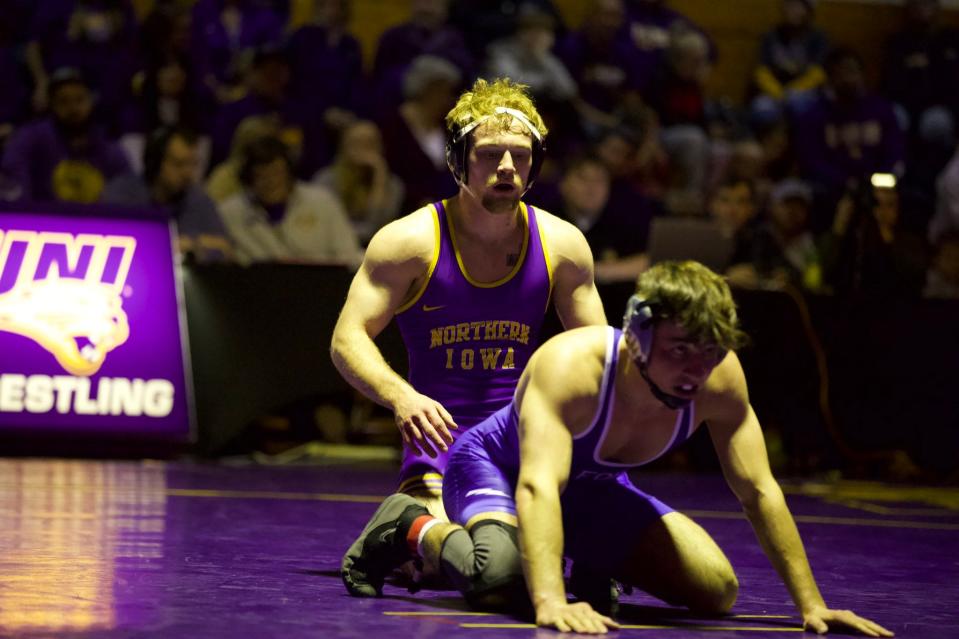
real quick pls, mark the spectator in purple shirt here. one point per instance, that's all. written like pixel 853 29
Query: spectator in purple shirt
pixel 95 36
pixel 651 23
pixel 268 94
pixel 65 156
pixel 602 59
pixel 223 30
pixel 414 135
pixel 847 133
pixel 427 32
pixel 327 65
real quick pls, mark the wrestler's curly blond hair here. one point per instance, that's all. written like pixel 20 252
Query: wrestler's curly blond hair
pixel 484 97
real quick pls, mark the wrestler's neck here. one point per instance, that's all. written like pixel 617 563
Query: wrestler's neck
pixel 633 391
pixel 474 222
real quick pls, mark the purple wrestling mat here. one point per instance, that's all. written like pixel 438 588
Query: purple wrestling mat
pixel 150 549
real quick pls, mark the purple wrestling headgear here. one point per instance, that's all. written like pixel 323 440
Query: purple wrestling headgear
pixel 639 321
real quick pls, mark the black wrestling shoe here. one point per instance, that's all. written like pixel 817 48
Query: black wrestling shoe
pixel 595 588
pixel 381 547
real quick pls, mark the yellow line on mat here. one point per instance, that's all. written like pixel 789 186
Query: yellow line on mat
pixel 517 626
pixel 444 613
pixel 469 613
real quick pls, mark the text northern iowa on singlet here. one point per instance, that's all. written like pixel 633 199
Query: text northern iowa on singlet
pixel 489 330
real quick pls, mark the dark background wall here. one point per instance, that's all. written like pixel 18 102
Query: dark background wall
pixel 833 382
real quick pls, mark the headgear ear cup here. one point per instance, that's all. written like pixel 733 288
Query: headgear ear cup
pixel 638 321
pixel 456 150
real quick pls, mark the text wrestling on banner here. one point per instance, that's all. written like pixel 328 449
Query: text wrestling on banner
pixel 91 338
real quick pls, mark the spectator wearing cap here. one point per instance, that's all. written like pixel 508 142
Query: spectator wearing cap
pixel 790 62
pixel 65 156
pixel 169 181
pixel 414 135
pixel 278 218
pixel 783 249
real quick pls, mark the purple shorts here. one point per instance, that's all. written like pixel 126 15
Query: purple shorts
pixel 602 516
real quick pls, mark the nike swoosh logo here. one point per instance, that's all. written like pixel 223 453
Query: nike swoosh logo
pixel 433 308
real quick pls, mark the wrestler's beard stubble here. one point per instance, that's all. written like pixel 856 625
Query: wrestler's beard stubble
pixel 502 203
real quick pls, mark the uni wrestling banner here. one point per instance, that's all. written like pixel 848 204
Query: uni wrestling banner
pixel 91 332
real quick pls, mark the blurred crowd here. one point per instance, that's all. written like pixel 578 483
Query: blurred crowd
pixel 273 142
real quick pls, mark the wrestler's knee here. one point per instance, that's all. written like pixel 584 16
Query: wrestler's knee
pixel 484 563
pixel 721 592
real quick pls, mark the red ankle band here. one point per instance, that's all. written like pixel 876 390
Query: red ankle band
pixel 413 536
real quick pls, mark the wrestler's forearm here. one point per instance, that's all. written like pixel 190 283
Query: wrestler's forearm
pixel 541 542
pixel 779 538
pixel 363 366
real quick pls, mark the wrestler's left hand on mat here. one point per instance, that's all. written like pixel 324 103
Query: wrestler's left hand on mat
pixel 573 617
pixel 819 620
pixel 424 424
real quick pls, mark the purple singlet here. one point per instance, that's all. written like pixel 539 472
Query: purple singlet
pixel 468 341
pixel 602 510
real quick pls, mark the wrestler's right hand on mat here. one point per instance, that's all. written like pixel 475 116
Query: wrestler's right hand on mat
pixel 821 619
pixel 424 424
pixel 573 617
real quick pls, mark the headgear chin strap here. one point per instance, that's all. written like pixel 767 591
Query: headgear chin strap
pixel 457 147
pixel 639 321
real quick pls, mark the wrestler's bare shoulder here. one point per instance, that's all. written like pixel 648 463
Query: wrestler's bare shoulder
pixel 571 353
pixel 725 390
pixel 409 239
pixel 567 371
pixel 562 237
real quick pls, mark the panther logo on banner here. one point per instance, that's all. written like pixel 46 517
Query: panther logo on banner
pixel 65 292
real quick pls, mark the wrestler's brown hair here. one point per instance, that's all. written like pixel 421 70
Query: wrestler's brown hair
pixel 694 297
